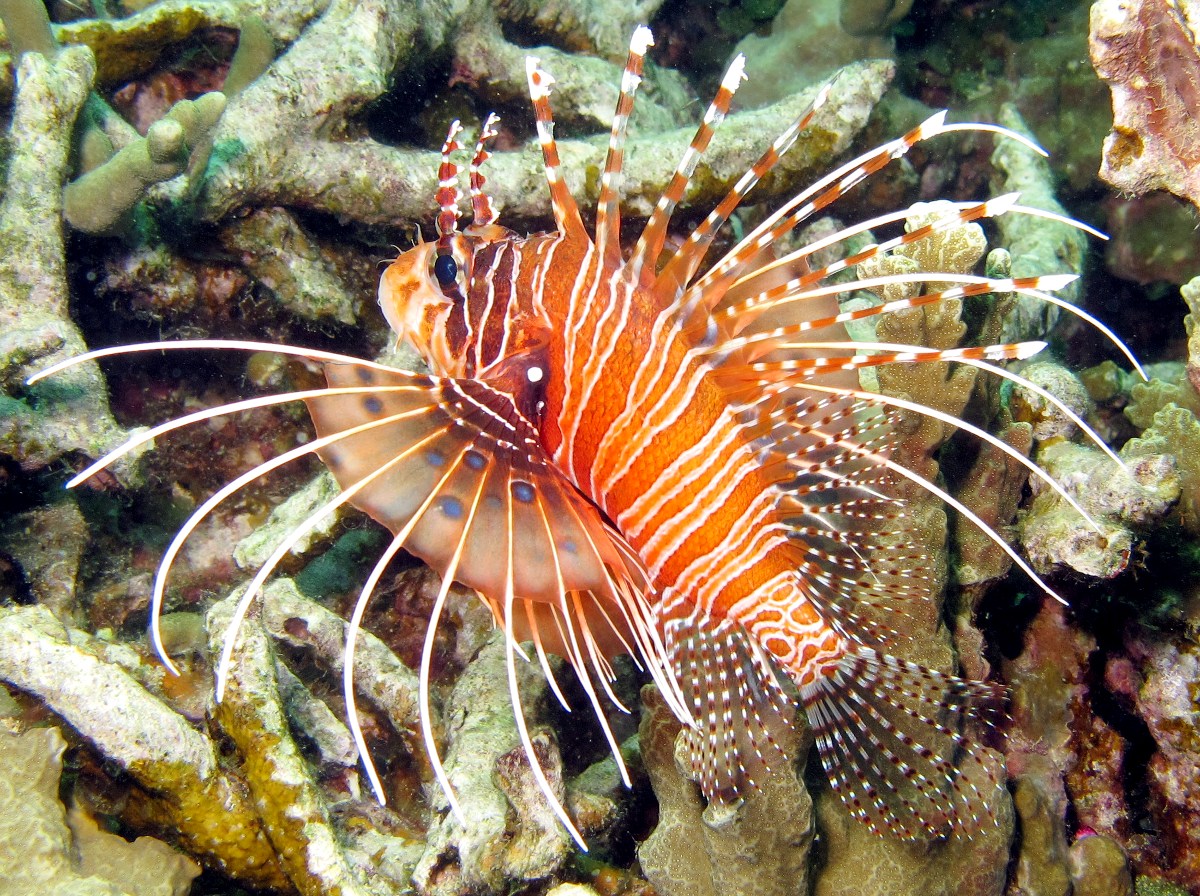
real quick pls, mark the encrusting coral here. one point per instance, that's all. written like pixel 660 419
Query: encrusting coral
pixel 761 850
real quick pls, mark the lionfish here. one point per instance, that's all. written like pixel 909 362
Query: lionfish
pixel 643 456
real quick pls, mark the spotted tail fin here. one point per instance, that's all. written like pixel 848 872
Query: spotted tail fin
pixel 892 738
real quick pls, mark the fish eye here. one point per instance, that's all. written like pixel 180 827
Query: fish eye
pixel 445 269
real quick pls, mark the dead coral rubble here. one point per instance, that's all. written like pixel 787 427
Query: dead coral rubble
pixel 281 140
pixel 89 689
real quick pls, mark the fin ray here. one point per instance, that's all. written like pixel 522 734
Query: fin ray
pixel 455 436
pixel 889 734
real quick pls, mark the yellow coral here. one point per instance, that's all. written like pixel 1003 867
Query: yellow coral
pixel 1176 431
pixel 42 850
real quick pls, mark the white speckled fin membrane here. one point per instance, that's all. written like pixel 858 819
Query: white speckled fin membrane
pixel 742 714
pixel 892 738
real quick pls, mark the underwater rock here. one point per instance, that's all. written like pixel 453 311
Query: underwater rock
pixel 1049 689
pixel 581 25
pixel 1096 782
pixel 274 147
pixel 993 489
pixel 1042 866
pixel 762 849
pixel 1047 420
pixel 305 625
pixel 277 252
pixel 1051 82
pixel 873 16
pixel 256 548
pixel 585 88
pixel 860 863
pixel 49 542
pixel 1147 52
pixel 1174 432
pixel 571 890
pixel 45 850
pixel 286 796
pixel 1190 292
pixel 1152 238
pixel 127 47
pixel 808 42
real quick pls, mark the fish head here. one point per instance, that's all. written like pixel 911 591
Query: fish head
pixel 422 294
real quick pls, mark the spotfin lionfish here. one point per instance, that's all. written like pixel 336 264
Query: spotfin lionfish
pixel 643 456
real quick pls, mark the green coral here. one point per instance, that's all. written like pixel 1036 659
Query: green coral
pixel 97 201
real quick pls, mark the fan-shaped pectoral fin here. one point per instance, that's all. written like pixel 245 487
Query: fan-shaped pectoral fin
pixel 445 446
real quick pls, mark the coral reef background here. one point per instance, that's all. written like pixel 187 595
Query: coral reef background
pixel 239 168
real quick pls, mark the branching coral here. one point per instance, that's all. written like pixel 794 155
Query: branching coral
pixel 96 201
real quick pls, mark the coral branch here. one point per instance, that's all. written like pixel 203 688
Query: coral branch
pixel 143 736
pixel 101 198
pixel 34 314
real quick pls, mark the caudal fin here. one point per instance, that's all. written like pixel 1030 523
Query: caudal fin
pixel 892 738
